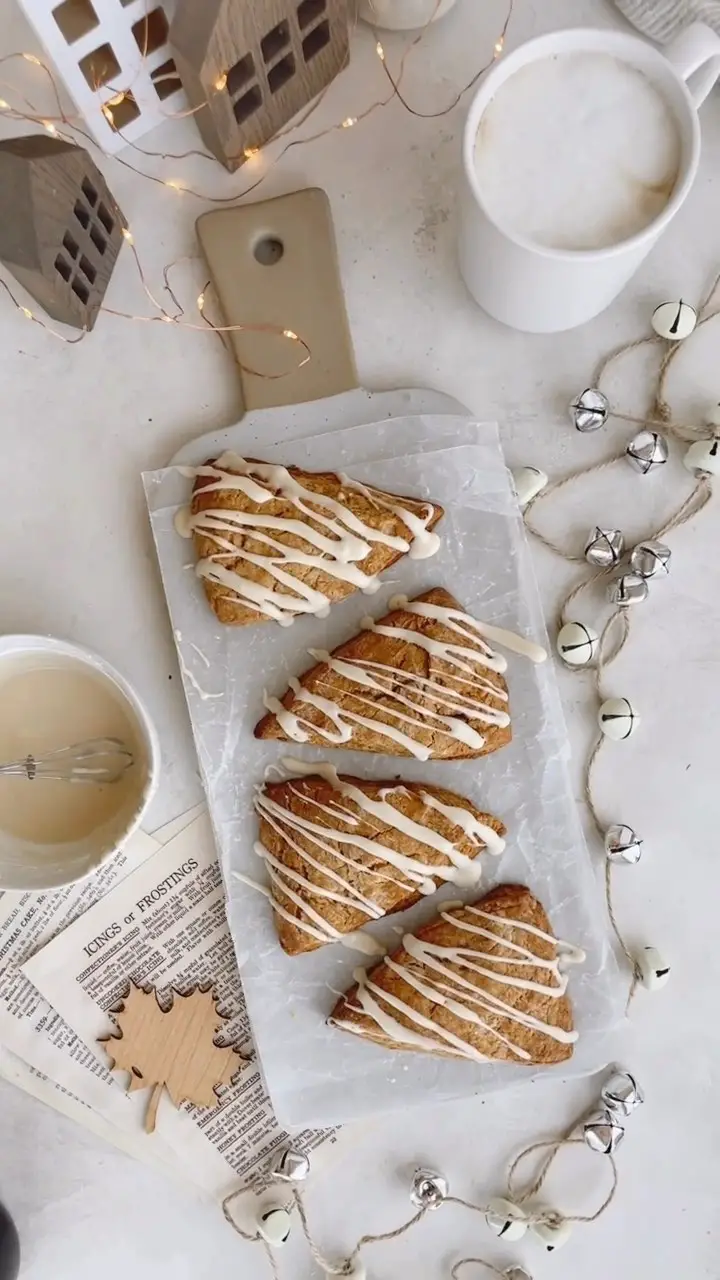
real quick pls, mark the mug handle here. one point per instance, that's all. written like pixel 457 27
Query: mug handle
pixel 696 48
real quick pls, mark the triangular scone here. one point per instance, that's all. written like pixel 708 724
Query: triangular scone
pixel 484 982
pixel 341 851
pixel 275 542
pixel 422 681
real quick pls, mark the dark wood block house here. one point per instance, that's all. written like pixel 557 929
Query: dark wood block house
pixel 60 228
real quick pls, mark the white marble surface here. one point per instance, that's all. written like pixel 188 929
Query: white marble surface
pixel 78 425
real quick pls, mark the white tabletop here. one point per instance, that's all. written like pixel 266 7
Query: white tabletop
pixel 80 423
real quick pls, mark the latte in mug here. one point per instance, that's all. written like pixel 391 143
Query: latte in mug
pixel 577 151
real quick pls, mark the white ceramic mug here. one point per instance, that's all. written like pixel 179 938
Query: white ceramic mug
pixel 544 290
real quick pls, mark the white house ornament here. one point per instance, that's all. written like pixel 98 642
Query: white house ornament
pixel 506 1220
pixel 604 548
pixel 589 410
pixel 577 644
pixel 552 1234
pixel 528 482
pixel 617 719
pixel 674 320
pixel 651 559
pixel 627 590
pixel 622 1093
pixel 703 457
pixel 274 1226
pixel 603 1132
pixel 623 846
pixel 429 1189
pixel 647 451
pixel 290 1165
pixel 650 968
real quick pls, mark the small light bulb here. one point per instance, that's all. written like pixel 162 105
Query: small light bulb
pixel 174 185
pixel 108 115
pixel 128 235
pixel 290 333
pixel 4 106
pixel 380 51
pixel 221 82
pixel 500 45
pixel 30 57
pixel 349 121
pixel 168 319
pixel 201 301
pixel 26 313
pixel 249 152
pixel 115 102
pixel 47 124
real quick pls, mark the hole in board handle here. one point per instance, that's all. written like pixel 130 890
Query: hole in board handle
pixel 268 251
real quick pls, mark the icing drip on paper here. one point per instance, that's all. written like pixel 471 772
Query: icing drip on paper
pixel 311 841
pixel 458 701
pixel 337 547
pixel 438 982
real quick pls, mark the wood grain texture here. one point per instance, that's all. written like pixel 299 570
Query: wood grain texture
pixel 302 291
pixel 248 68
pixel 60 227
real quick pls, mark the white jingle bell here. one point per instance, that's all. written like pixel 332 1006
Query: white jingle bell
pixel 528 483
pixel 674 320
pixel 647 451
pixel 577 644
pixel 603 1132
pixel 589 410
pixel 622 1093
pixel 554 1233
pixel 651 559
pixel 274 1226
pixel 506 1220
pixel 622 845
pixel 650 968
pixel 617 719
pixel 704 456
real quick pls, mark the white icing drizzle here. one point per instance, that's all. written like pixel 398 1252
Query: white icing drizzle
pixel 439 983
pixel 459 701
pixel 337 547
pixel 412 875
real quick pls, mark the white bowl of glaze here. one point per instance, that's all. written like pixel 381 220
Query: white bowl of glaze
pixel 67 833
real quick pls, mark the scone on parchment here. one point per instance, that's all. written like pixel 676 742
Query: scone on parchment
pixel 482 982
pixel 422 681
pixel 276 542
pixel 341 852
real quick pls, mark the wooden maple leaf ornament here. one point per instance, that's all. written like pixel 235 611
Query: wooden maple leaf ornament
pixel 171 1049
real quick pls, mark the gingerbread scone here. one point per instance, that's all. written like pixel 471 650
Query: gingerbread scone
pixel 341 851
pixel 276 542
pixel 486 982
pixel 422 681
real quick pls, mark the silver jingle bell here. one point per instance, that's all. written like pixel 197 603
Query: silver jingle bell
pixel 603 1132
pixel 622 845
pixel 429 1189
pixel 290 1165
pixel 647 451
pixel 651 559
pixel 674 320
pixel 589 410
pixel 627 590
pixel 622 1093
pixel 604 547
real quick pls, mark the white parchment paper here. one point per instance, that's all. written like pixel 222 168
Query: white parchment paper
pixel 318 1075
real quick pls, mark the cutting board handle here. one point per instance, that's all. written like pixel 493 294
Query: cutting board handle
pixel 275 263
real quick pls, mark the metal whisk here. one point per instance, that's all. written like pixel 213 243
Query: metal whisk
pixel 98 760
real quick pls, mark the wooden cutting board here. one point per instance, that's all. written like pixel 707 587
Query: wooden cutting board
pixel 275 263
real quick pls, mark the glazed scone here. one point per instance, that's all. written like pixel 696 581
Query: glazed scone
pixel 485 982
pixel 276 542
pixel 422 681
pixel 341 852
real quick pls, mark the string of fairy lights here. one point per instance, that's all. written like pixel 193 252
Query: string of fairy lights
pixel 68 127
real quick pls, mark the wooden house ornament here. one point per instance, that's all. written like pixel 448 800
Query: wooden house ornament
pixel 60 228
pixel 248 66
